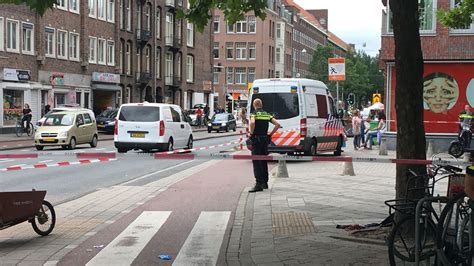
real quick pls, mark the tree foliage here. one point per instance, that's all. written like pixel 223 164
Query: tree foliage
pixel 460 16
pixel 40 6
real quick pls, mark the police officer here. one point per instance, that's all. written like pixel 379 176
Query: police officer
pixel 259 121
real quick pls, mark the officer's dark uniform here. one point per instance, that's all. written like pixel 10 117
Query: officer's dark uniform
pixel 260 145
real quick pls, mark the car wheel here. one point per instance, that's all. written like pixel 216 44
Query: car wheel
pixel 122 150
pixel 227 129
pixel 170 145
pixel 312 149
pixel 64 147
pixel 39 148
pixel 218 130
pixel 209 130
pixel 72 144
pixel 94 141
pixel 190 142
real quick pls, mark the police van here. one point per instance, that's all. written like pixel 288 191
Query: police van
pixel 306 112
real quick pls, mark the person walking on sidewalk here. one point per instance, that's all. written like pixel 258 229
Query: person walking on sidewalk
pixel 199 114
pixel 258 127
pixel 356 126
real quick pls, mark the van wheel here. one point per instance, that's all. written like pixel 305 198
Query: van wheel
pixel 338 150
pixel 122 150
pixel 312 151
pixel 72 144
pixel 190 142
pixel 170 145
pixel 39 148
pixel 94 142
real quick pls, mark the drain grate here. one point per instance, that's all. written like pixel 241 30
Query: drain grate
pixel 292 223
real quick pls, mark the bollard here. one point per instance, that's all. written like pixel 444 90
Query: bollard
pixel 241 141
pixel 348 168
pixel 282 171
pixel 467 157
pixel 430 150
pixel 383 147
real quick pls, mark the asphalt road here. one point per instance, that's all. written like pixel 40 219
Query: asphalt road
pixel 64 183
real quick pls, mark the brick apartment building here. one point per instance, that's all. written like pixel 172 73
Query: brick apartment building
pixel 100 54
pixel 280 46
pixel 448 56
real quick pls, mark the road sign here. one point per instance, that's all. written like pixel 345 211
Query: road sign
pixel 337 68
pixel 376 98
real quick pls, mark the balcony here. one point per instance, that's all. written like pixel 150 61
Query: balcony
pixel 143 36
pixel 173 42
pixel 174 81
pixel 142 78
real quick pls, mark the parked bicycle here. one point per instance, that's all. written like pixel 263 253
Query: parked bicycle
pixel 401 240
pixel 20 129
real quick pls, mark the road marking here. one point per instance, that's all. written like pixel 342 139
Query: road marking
pixel 18 165
pixel 125 247
pixel 204 243
pixel 6 160
pixel 100 149
pixel 46 161
pixel 154 173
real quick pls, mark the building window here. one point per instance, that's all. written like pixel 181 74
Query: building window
pixel 121 54
pixel 190 68
pixel 240 75
pixel 168 68
pixel 93 8
pixel 122 14
pixel 139 60
pixel 101 9
pixel 178 66
pixel 169 29
pixel 139 17
pixel 277 74
pixel 241 26
pixel 252 50
pixel 158 62
pixel 28 38
pixel 278 54
pixel 158 24
pixel 129 15
pixel 50 42
pixel 147 59
pixel 12 106
pixel 101 51
pixel 2 34
pixel 240 50
pixel 148 17
pixel 128 55
pixel 278 30
pixel 427 15
pixel 468 29
pixel 252 24
pixel 110 53
pixel 13 36
pixel 251 74
pixel 215 50
pixel 216 24
pixel 179 29
pixel 215 75
pixel 62 44
pixel 230 75
pixel 229 50
pixel 74 46
pixel 74 6
pixel 92 50
pixel 230 28
pixel 190 34
pixel 110 10
pixel 61 4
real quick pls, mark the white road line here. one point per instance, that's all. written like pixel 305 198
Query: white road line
pixel 204 243
pixel 6 160
pixel 46 161
pixel 18 165
pixel 100 149
pixel 125 247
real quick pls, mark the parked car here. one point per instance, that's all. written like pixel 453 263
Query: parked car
pixel 222 121
pixel 106 120
pixel 149 126
pixel 67 129
pixel 192 115
pixel 65 107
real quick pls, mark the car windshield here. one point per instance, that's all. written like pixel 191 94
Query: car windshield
pixel 59 120
pixel 220 117
pixel 280 105
pixel 108 113
pixel 140 113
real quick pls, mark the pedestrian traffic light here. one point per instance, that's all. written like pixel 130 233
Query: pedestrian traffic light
pixel 351 99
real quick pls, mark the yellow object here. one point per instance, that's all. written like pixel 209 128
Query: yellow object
pixel 376 98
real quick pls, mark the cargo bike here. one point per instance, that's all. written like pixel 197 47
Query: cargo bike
pixel 21 206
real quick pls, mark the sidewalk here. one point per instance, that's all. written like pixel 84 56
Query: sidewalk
pixel 294 221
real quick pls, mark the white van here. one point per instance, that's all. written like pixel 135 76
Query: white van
pixel 306 112
pixel 149 126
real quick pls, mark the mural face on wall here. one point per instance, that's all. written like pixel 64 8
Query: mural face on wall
pixel 440 92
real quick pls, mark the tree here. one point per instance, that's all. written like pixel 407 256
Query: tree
pixel 411 142
pixel 319 63
pixel 40 6
pixel 460 16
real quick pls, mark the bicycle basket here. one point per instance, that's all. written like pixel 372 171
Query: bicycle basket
pixel 404 206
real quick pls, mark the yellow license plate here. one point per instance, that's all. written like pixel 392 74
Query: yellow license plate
pixel 138 135
pixel 216 127
pixel 49 139
pixel 100 125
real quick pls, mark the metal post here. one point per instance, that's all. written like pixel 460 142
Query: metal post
pixel 337 95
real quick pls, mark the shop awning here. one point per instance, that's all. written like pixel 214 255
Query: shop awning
pixel 107 87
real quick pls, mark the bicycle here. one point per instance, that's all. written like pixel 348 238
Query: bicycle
pixel 20 129
pixel 401 240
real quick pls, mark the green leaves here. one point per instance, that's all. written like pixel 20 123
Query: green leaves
pixel 40 6
pixel 458 17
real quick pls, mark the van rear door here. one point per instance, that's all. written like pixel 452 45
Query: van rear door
pixel 139 123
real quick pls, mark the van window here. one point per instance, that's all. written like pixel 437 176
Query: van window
pixel 140 113
pixel 322 106
pixel 332 107
pixel 175 115
pixel 87 118
pixel 280 105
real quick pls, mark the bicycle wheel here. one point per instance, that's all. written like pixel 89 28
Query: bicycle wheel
pixel 44 220
pixel 401 241
pixel 18 129
pixel 453 232
pixel 31 130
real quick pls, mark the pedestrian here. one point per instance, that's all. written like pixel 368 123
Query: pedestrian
pixel 258 127
pixel 206 114
pixel 199 114
pixel 356 127
pixel 377 132
pixel 47 109
pixel 362 131
pixel 465 119
pixel 26 117
pixel 243 113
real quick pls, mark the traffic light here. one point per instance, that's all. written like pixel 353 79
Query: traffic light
pixel 351 99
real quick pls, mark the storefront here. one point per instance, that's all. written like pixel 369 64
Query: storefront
pixel 107 93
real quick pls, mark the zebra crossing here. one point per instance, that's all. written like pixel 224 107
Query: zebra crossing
pixel 201 247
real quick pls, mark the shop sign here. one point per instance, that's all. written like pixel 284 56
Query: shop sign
pixel 105 77
pixel 16 74
pixel 56 78
pixel 206 85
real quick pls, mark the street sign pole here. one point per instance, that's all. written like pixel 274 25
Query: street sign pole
pixel 337 95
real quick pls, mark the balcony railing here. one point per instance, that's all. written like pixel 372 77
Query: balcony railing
pixel 142 77
pixel 173 41
pixel 173 80
pixel 143 36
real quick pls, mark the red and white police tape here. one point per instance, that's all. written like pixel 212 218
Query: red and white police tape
pixel 46 165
